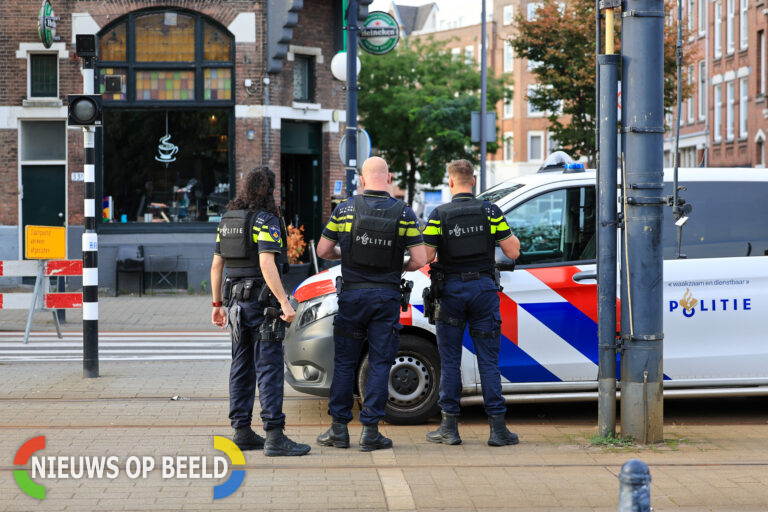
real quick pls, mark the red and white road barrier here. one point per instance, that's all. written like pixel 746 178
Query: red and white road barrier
pixel 50 301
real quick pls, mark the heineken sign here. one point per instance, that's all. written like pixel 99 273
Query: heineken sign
pixel 379 33
pixel 46 24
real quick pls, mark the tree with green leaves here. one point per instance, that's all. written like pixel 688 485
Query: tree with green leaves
pixel 415 102
pixel 560 40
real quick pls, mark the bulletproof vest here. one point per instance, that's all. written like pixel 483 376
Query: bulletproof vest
pixel 374 245
pixel 236 241
pixel 466 235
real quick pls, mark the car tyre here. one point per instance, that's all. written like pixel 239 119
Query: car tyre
pixel 414 382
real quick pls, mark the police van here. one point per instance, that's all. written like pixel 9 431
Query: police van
pixel 715 300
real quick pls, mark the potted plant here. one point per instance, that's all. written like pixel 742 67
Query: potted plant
pixel 298 271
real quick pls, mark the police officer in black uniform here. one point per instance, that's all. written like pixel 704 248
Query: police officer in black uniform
pixel 369 233
pixel 463 234
pixel 250 243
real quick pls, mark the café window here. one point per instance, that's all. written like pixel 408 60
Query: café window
pixel 167 147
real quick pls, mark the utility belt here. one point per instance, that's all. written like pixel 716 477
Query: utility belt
pixel 246 289
pixel 237 290
pixel 404 288
pixel 431 295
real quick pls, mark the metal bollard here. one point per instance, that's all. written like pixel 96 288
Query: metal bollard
pixel 635 488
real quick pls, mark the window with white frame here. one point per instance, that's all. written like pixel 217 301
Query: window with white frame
pixel 43 75
pixel 730 92
pixel 535 146
pixel 690 98
pixel 718 30
pixel 743 34
pixel 702 89
pixel 532 110
pixel 456 53
pixel 717 124
pixel 509 57
pixel 531 9
pixel 552 143
pixel 509 146
pixel 469 54
pixel 703 6
pixel 508 14
pixel 743 84
pixel 730 14
pixel 691 7
pixel 509 110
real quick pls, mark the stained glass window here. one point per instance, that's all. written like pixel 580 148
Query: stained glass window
pixel 165 37
pixel 165 85
pixel 218 84
pixel 112 45
pixel 216 45
pixel 103 72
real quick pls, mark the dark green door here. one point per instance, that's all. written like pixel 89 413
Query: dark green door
pixel 44 201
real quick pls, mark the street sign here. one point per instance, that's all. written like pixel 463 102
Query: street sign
pixel 490 126
pixel 379 33
pixel 45 243
pixel 363 148
pixel 46 24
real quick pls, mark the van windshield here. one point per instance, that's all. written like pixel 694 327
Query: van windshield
pixel 499 192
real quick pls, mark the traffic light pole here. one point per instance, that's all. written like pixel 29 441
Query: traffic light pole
pixel 90 244
pixel 351 157
pixel 483 102
pixel 642 127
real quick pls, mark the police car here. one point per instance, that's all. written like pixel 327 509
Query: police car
pixel 715 300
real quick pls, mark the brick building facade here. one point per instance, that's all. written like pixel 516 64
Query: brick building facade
pixel 723 123
pixel 204 72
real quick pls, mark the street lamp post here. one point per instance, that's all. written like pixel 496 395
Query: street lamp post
pixel 351 158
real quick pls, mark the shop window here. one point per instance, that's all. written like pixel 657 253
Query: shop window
pixel 182 178
pixel 217 46
pixel 304 78
pixel 112 44
pixel 165 85
pixel 44 75
pixel 103 73
pixel 165 37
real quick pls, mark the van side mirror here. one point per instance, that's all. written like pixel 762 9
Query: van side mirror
pixel 502 262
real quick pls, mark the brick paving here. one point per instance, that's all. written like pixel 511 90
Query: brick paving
pixel 128 411
pixel 701 466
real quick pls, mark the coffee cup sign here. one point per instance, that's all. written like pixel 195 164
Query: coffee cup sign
pixel 166 150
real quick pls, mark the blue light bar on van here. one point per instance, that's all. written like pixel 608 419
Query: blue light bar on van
pixel 574 167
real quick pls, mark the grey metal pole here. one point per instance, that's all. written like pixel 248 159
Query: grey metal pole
pixel 642 128
pixel 351 131
pixel 606 238
pixel 483 100
pixel 90 245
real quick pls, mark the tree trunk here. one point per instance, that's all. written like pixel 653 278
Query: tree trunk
pixel 411 180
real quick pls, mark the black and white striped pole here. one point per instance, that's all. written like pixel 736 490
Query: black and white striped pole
pixel 85 111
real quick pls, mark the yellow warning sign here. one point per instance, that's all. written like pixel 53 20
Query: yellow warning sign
pixel 45 243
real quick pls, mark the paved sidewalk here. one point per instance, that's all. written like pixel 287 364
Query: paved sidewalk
pixel 162 312
pixel 127 411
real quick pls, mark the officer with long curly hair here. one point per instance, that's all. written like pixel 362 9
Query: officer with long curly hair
pixel 250 243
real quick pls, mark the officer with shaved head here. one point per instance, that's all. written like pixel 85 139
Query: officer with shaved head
pixel 370 233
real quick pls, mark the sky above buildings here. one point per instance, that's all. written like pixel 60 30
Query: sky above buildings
pixel 466 11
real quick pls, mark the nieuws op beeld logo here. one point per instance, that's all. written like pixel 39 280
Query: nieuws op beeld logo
pixel 99 467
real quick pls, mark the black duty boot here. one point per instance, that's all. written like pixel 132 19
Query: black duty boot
pixel 246 439
pixel 371 439
pixel 337 436
pixel 448 433
pixel 278 445
pixel 500 436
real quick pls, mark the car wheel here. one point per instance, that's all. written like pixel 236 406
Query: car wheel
pixel 414 382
